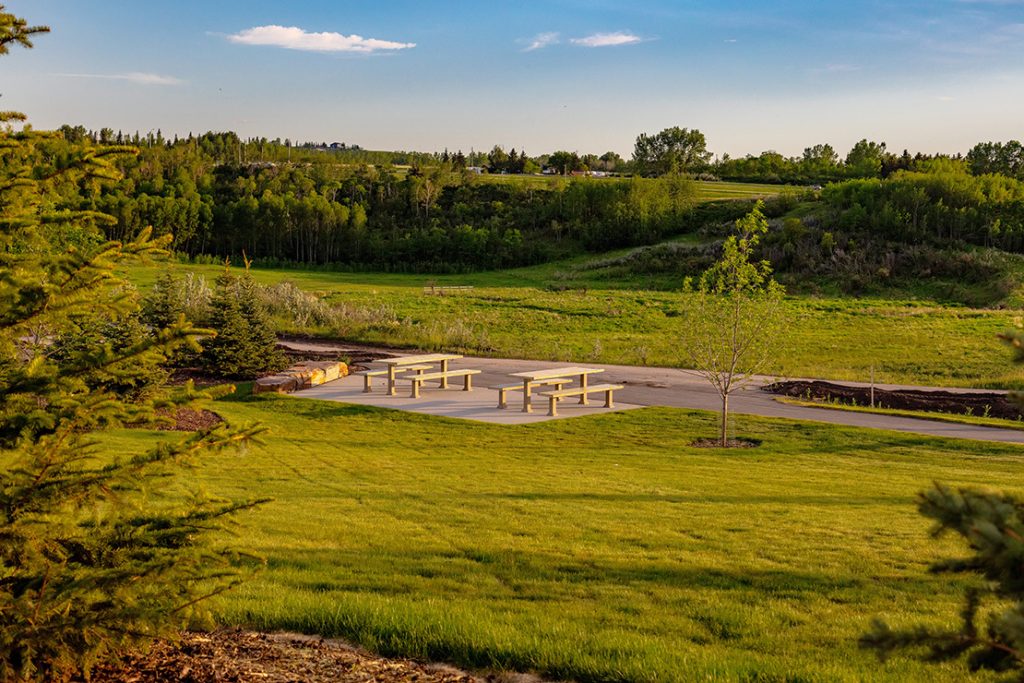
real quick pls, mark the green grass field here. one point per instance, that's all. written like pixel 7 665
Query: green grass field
pixel 516 313
pixel 706 190
pixel 599 548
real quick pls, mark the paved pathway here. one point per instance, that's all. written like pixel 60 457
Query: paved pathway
pixel 685 389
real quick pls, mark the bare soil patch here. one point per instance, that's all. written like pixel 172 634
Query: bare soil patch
pixel 237 656
pixel 189 420
pixel 729 443
pixel 989 404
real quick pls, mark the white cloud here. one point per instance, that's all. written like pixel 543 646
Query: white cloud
pixel 138 77
pixel 295 38
pixel 607 39
pixel 542 40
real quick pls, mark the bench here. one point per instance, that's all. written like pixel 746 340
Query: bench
pixel 558 382
pixel 369 374
pixel 419 379
pixel 441 290
pixel 554 396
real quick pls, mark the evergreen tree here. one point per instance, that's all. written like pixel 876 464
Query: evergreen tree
pixel 245 345
pixel 89 562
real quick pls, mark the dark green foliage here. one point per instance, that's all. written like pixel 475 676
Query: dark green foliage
pixel 135 378
pixel 997 157
pixel 945 204
pixel 245 345
pixel 673 150
pixel 171 300
pixel 90 561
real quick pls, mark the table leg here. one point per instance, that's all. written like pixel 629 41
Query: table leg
pixel 444 380
pixel 391 380
pixel 527 405
pixel 583 385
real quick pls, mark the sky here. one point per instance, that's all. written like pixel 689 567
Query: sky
pixel 586 76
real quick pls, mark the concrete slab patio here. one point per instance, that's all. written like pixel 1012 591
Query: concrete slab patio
pixel 651 386
pixel 480 404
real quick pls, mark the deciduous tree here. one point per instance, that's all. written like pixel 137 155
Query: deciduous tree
pixel 733 316
pixel 673 150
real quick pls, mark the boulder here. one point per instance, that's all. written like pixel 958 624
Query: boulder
pixel 301 376
pixel 279 384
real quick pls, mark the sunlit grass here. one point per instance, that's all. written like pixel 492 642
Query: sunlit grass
pixel 515 314
pixel 598 548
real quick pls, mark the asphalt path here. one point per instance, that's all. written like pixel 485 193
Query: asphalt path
pixel 651 386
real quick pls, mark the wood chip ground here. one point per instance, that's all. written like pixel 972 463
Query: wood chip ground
pixel 236 656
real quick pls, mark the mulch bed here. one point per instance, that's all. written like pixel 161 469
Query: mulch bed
pixel 237 656
pixel 189 420
pixel 990 404
pixel 730 443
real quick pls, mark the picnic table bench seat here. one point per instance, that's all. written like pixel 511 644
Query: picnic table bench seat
pixel 502 389
pixel 554 396
pixel 419 379
pixel 368 375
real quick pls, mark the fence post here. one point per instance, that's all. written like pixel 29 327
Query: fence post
pixel 872 386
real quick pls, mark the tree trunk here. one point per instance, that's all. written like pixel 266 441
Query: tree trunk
pixel 725 420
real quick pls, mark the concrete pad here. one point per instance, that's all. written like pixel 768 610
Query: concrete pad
pixel 480 404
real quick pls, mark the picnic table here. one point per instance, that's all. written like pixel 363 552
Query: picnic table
pixel 400 361
pixel 532 377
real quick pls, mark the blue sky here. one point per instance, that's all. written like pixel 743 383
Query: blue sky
pixel 931 76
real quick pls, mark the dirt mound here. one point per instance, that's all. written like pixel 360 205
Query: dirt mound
pixel 189 420
pixel 990 404
pixel 245 656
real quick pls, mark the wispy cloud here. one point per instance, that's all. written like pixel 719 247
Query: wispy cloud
pixel 138 77
pixel 295 38
pixel 607 39
pixel 542 40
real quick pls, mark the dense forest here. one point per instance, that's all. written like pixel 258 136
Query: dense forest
pixel 315 204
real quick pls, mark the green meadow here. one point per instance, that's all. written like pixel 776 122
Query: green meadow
pixel 706 190
pixel 603 548
pixel 535 313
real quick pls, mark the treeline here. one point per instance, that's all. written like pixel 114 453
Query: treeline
pixel 439 217
pixel 940 204
pixel 431 218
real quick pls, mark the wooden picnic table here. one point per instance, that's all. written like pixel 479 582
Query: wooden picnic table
pixel 532 376
pixel 399 361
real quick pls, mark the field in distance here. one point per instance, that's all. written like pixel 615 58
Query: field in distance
pixel 523 313
pixel 598 548
pixel 706 190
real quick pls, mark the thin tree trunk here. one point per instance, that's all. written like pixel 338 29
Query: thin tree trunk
pixel 725 420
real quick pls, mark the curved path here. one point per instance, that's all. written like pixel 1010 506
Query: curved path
pixel 647 386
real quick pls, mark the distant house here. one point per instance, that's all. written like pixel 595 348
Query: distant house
pixel 475 169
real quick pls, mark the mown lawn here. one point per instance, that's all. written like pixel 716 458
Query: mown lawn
pixel 597 548
pixel 513 314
